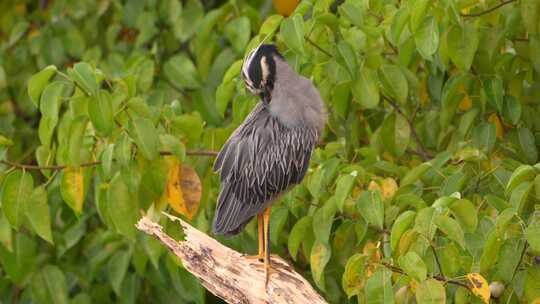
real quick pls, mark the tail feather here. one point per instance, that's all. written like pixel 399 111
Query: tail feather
pixel 231 215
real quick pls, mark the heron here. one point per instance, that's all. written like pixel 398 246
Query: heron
pixel 269 152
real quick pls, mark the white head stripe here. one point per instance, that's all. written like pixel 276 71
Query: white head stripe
pixel 248 60
pixel 264 67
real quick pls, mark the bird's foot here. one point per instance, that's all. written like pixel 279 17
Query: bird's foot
pixel 258 257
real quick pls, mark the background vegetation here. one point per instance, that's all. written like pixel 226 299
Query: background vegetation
pixel 425 188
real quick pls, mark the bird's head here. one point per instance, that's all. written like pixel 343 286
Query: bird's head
pixel 259 70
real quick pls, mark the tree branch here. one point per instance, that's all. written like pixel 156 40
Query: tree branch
pixel 422 151
pixel 98 162
pixel 436 277
pixel 229 274
pixel 489 10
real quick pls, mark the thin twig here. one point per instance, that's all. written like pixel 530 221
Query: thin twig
pixel 425 155
pixel 436 277
pixel 489 10
pixel 37 167
pixel 520 260
pixel 95 163
pixel 318 47
pixel 436 259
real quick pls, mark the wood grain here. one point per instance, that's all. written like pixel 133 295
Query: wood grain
pixel 230 275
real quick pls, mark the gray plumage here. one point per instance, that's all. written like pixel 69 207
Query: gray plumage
pixel 270 151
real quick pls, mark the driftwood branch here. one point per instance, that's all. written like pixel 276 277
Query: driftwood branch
pixel 230 275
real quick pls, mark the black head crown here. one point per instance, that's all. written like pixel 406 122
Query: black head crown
pixel 259 70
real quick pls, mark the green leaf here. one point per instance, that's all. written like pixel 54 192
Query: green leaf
pixel 85 76
pixel 462 44
pixel 117 268
pixel 122 150
pixel 38 214
pixel 402 223
pixel 347 58
pixel 415 174
pixel 145 136
pixel 418 12
pixel 394 82
pixel 181 72
pixel 224 95
pixel 366 89
pixel 123 207
pixel 519 196
pixel 465 213
pixel 101 112
pixel 379 288
pixel 427 38
pixel 503 220
pixel 400 19
pixel 16 191
pixel 360 227
pixel 430 291
pixel 523 173
pixel 49 286
pixel 396 134
pixel 532 233
pixel 76 137
pixel 320 255
pixel 353 12
pixel 270 25
pixel 292 32
pixel 371 208
pixel 174 145
pixel 528 145
pixel 344 185
pixel 495 93
pixel 238 32
pixel 51 100
pixel 496 202
pixel 341 97
pixel 413 266
pixel 298 232
pixel 323 220
pixel 530 15
pixel 278 219
pixel 451 228
pixel 425 222
pixel 490 252
pixel 512 108
pixel 354 274
pixel 38 82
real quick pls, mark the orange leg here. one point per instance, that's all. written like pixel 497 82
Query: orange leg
pixel 260 228
pixel 267 266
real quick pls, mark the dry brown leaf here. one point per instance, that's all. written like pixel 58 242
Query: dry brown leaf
pixel 183 190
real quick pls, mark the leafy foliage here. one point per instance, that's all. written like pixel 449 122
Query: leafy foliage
pixel 425 188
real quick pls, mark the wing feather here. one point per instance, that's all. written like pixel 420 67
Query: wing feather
pixel 262 159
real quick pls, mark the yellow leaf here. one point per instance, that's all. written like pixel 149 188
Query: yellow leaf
pixel 285 7
pixel 465 104
pixel 388 188
pixel 536 301
pixel 373 254
pixel 72 188
pixel 479 286
pixel 183 190
pixel 499 131
pixel 374 186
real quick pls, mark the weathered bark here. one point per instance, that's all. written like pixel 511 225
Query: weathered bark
pixel 230 275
